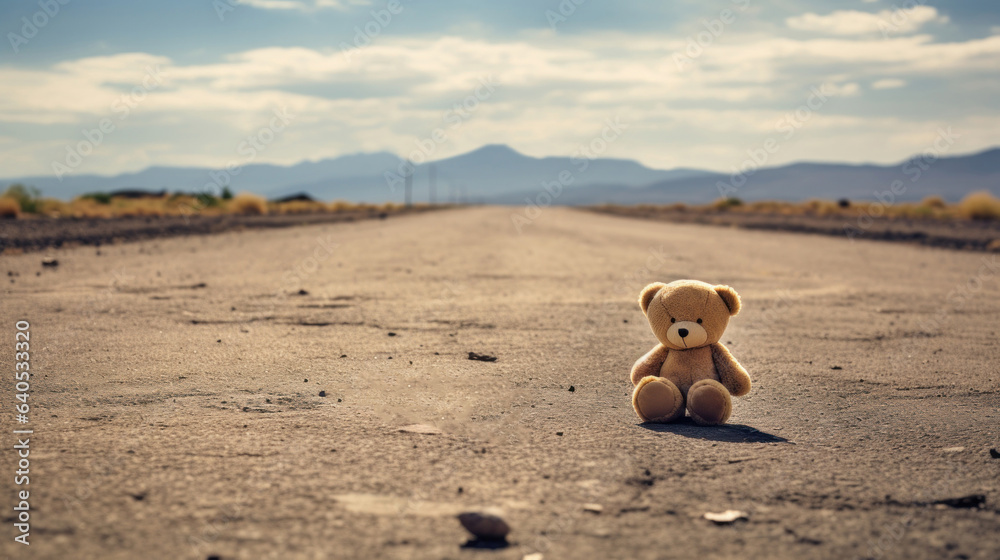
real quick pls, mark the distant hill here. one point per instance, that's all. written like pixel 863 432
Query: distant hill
pixel 498 174
pixel 951 178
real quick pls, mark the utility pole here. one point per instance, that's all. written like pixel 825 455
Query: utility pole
pixel 408 188
pixel 432 182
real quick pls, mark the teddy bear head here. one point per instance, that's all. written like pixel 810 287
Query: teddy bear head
pixel 687 313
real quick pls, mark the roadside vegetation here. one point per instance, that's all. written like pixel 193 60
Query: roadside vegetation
pixel 980 205
pixel 20 201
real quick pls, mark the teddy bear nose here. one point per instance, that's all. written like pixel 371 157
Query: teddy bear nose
pixel 682 332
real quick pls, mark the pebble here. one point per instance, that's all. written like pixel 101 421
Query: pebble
pixel 593 508
pixel 484 525
pixel 726 517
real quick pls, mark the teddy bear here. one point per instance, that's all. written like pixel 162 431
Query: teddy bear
pixel 689 369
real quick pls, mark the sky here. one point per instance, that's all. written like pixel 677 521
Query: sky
pixel 113 86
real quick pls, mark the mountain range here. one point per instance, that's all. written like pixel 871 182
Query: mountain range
pixel 498 174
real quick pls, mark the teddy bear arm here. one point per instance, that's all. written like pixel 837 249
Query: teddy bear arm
pixel 649 364
pixel 731 374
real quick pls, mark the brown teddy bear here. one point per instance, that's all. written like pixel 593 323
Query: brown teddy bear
pixel 689 368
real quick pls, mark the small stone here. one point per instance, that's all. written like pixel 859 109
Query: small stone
pixel 482 357
pixel 392 334
pixel 322 393
pixel 572 388
pixel 302 293
pixel 836 367
pixel 533 556
pixel 343 355
pixel 484 525
pixel 593 508
pixel 994 453
pixel 953 449
pixel 726 517
pixel 559 433
pixel 50 261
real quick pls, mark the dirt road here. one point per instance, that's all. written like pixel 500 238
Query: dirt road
pixel 240 395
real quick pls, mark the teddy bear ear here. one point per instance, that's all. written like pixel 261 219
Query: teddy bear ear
pixel 730 298
pixel 648 293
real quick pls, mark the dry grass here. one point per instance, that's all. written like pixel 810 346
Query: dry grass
pixel 976 206
pixel 9 207
pixel 53 208
pixel 934 202
pixel 980 205
pixel 297 207
pixel 24 202
pixel 341 205
pixel 247 205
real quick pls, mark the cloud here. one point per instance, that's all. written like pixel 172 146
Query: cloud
pixel 853 22
pixel 303 5
pixel 888 83
pixel 553 94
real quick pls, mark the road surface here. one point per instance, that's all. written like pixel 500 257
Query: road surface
pixel 249 394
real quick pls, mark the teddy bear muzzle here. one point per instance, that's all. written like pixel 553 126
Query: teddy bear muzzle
pixel 687 334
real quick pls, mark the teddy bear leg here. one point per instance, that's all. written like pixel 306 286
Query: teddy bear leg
pixel 709 403
pixel 656 399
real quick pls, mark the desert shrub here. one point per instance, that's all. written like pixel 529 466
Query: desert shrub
pixel 935 202
pixel 844 203
pixel 27 197
pixel 9 207
pixel 227 194
pixel 181 204
pixel 980 205
pixel 206 200
pixel 248 205
pixel 727 203
pixel 678 207
pixel 99 197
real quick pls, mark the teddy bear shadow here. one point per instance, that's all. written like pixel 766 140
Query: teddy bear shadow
pixel 729 433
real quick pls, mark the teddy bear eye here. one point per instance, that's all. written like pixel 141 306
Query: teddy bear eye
pixel 672 320
pixel 699 321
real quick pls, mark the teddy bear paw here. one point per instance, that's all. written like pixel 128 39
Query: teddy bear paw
pixel 656 399
pixel 709 403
